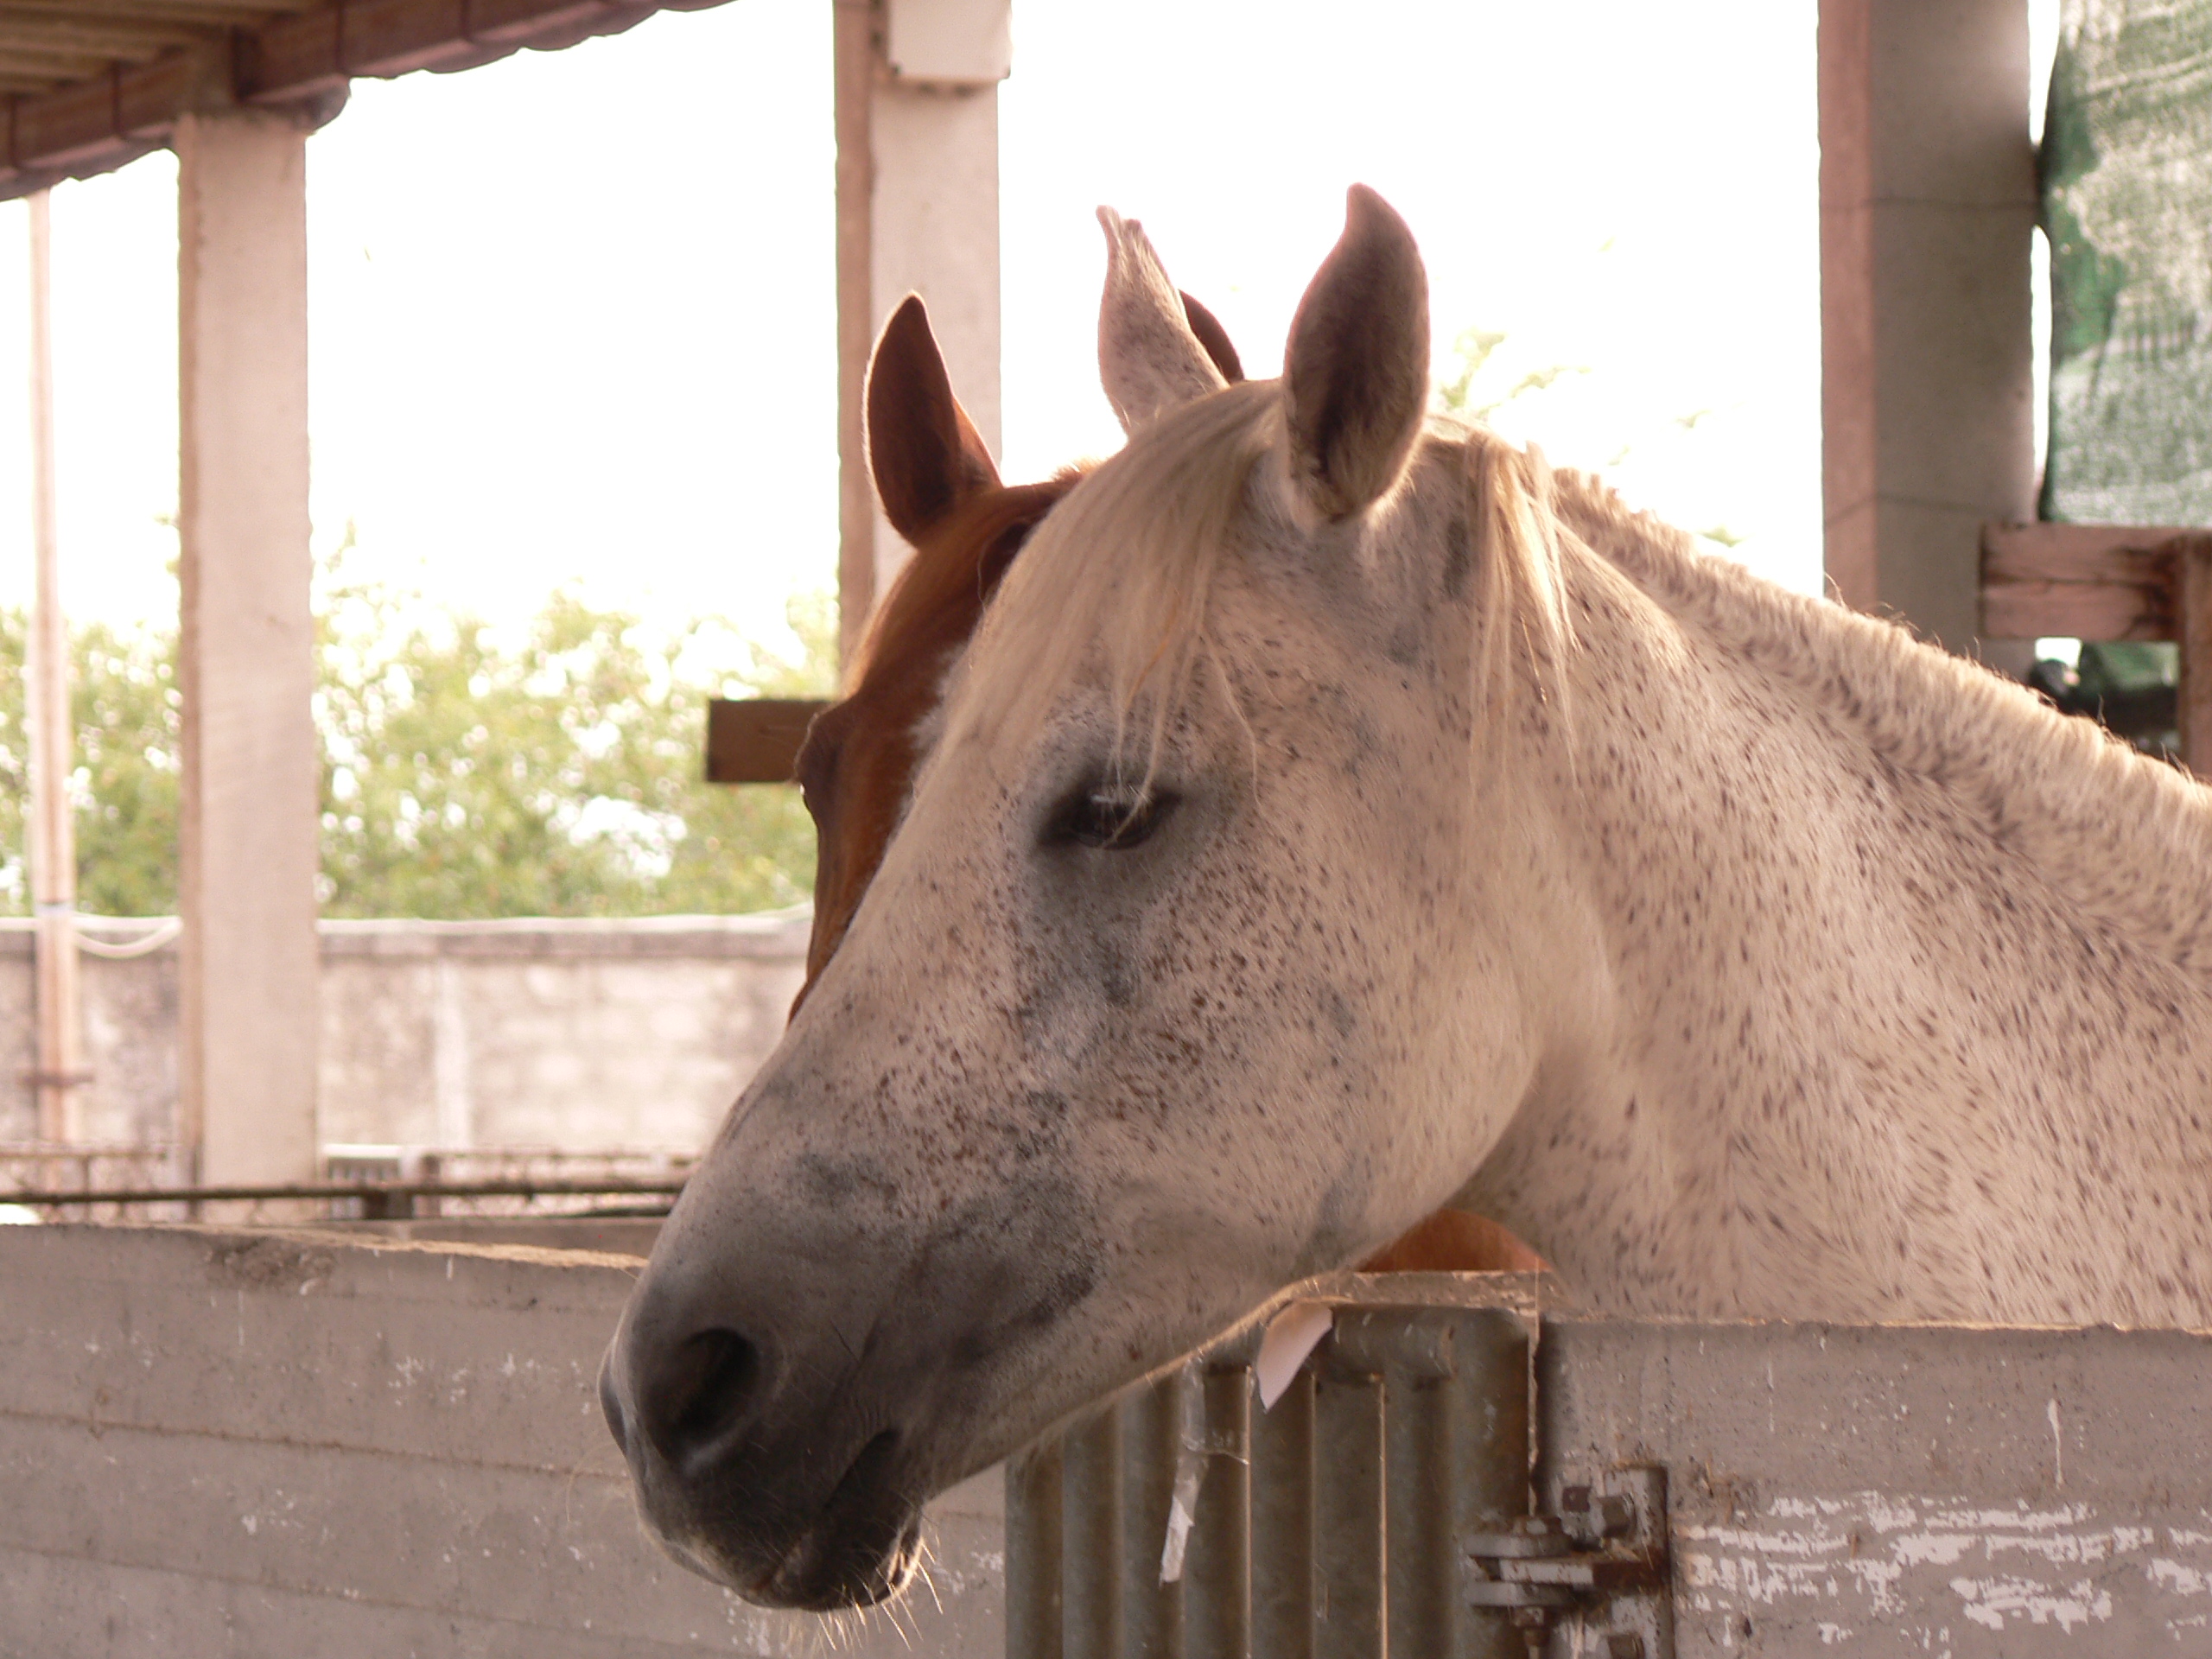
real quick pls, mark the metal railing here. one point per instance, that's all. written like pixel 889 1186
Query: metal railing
pixel 34 1167
pixel 59 1182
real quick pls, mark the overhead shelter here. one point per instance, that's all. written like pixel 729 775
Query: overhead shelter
pixel 235 87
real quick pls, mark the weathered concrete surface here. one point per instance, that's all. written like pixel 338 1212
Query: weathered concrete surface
pixel 287 1443
pixel 1927 202
pixel 585 1035
pixel 249 824
pixel 578 1034
pixel 130 1025
pixel 1923 1490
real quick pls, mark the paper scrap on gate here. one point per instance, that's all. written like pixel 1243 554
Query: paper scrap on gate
pixel 1292 1335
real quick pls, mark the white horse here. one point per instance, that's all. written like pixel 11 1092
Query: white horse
pixel 1339 815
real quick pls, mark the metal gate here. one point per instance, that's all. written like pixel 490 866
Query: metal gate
pixel 1761 1488
pixel 1379 1509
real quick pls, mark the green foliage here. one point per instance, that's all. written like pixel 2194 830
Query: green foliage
pixel 466 773
pixel 129 719
pixel 125 697
pixel 14 765
pixel 1469 394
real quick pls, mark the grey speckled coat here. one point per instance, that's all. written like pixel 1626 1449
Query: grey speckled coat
pixel 1338 813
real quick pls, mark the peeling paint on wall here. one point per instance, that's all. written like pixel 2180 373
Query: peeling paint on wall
pixel 1924 1566
pixel 1942 1492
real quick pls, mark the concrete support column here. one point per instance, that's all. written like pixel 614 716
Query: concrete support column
pixel 917 211
pixel 250 831
pixel 1927 198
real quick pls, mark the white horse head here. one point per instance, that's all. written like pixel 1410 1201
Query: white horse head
pixel 1337 814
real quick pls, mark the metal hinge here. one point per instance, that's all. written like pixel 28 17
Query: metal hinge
pixel 1595 1573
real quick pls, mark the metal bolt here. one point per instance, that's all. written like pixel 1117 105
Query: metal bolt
pixel 1574 1500
pixel 1615 1515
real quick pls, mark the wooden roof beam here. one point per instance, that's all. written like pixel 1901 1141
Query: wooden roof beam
pixel 312 51
pixel 191 14
pixel 110 112
pixel 57 65
pixel 130 39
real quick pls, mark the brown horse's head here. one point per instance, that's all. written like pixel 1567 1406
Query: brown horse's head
pixel 942 492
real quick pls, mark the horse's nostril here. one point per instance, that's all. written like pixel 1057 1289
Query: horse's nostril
pixel 700 1390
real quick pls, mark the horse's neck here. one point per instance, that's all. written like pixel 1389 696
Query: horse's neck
pixel 2126 838
pixel 1909 977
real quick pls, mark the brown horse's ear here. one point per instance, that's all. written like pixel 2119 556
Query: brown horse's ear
pixel 1215 338
pixel 1356 373
pixel 1149 359
pixel 925 453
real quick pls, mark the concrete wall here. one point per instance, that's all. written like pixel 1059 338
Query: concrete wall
pixel 1874 1493
pixel 278 1445
pixel 576 1034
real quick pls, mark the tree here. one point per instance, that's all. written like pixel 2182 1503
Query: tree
pixel 1462 396
pixel 124 701
pixel 466 773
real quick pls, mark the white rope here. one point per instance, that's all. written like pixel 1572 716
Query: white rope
pixel 165 932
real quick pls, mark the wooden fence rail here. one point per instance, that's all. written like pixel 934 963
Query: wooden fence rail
pixel 2109 582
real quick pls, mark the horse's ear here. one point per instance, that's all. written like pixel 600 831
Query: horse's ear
pixel 1215 338
pixel 926 455
pixel 1356 373
pixel 1149 359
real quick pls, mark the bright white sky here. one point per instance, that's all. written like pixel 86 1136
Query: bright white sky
pixel 573 313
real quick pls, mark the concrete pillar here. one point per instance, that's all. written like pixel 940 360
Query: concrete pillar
pixel 249 834
pixel 60 1075
pixel 1927 198
pixel 917 211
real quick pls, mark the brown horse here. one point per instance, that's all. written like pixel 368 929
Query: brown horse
pixel 943 494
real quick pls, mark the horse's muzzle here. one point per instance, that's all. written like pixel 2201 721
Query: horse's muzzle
pixel 729 1502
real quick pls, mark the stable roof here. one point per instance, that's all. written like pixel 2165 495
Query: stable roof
pixel 89 84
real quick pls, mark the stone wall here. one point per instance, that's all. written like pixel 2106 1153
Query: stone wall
pixel 584 1035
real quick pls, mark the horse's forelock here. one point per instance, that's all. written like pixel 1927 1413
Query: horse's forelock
pixel 1124 570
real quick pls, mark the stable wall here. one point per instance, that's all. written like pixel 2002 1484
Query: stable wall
pixel 584 1035
pixel 283 1444
pixel 222 1442
pixel 1905 1491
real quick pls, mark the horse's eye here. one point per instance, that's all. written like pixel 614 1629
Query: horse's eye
pixel 1099 815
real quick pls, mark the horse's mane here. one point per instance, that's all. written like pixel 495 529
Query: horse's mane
pixel 2129 837
pixel 1124 566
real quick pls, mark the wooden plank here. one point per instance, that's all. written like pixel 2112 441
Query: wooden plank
pixel 62 62
pixel 755 740
pixel 2195 703
pixel 133 40
pixel 2087 582
pixel 93 126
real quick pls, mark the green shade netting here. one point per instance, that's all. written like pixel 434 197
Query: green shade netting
pixel 2128 206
